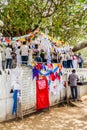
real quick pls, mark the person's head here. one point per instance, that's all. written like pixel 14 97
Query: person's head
pixel 73 71
pixel 18 47
pixel 8 45
pixel 24 42
pixel 79 54
pixel 36 46
pixel 70 49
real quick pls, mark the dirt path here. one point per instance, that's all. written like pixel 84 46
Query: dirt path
pixel 57 118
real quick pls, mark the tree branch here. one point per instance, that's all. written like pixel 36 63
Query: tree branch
pixel 80 46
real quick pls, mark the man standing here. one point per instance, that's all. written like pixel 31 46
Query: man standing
pixel 73 78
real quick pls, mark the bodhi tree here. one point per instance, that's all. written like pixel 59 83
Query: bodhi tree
pixel 64 19
pixel 22 16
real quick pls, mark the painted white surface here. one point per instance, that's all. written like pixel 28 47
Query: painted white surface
pixel 2 110
pixel 28 92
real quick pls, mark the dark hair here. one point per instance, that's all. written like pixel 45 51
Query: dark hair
pixel 8 45
pixel 36 46
pixel 18 47
pixel 29 47
pixel 73 71
pixel 24 42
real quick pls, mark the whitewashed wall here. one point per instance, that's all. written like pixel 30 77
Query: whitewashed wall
pixel 81 72
pixel 6 101
pixel 82 75
pixel 28 92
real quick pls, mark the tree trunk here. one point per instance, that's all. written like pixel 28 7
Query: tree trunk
pixel 80 46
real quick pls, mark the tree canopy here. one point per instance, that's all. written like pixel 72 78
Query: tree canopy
pixel 64 19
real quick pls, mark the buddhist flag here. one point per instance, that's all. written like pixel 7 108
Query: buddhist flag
pixel 42 94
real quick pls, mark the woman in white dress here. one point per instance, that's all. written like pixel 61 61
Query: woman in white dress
pixel 18 55
pixel 30 57
pixel 75 61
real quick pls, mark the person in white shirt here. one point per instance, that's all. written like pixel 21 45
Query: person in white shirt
pixel 8 52
pixel 3 59
pixel 30 58
pixel 24 53
pixel 75 61
pixel 1 56
pixel 64 60
pixel 18 55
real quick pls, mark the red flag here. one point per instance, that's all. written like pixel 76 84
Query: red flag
pixel 42 94
pixel 52 77
pixel 7 40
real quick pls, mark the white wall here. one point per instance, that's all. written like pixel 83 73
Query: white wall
pixel 28 92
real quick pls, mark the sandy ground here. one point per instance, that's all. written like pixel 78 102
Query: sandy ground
pixel 56 118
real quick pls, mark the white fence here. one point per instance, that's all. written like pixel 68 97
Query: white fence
pixel 28 92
